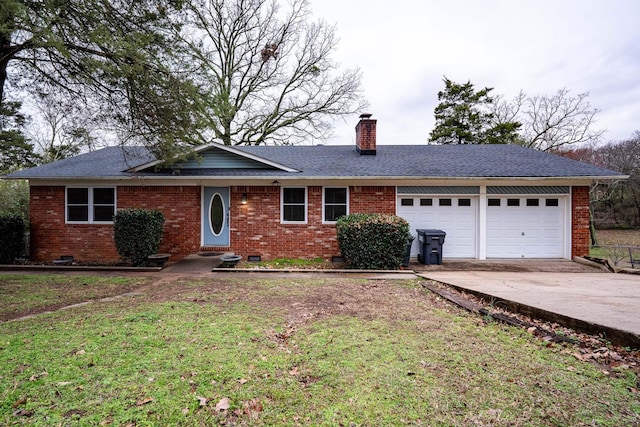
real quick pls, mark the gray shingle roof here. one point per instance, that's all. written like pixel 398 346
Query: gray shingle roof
pixel 107 162
pixel 411 161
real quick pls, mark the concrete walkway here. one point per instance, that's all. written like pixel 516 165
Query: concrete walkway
pixel 600 303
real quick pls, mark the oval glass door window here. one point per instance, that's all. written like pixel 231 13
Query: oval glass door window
pixel 216 214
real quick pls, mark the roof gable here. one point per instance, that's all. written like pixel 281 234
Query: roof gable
pixel 218 156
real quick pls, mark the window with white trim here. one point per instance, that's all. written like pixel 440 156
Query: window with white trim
pixel 90 204
pixel 293 203
pixel 335 203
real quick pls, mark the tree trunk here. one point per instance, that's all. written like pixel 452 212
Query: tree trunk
pixel 592 229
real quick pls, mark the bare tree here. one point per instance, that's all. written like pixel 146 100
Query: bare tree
pixel 60 129
pixel 550 122
pixel 267 73
pixel 624 156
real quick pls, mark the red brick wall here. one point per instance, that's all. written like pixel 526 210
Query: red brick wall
pixel 580 221
pixel 93 243
pixel 256 227
pixel 181 208
pixel 372 200
pixel 52 238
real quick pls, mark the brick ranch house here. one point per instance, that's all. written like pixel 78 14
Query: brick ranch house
pixel 493 201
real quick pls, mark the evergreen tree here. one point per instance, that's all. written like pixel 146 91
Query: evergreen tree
pixel 464 117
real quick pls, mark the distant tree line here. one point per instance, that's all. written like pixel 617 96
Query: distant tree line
pixel 614 205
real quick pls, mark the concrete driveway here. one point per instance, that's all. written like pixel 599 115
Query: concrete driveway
pixel 609 303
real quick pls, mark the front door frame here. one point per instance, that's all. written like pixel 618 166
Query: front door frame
pixel 208 236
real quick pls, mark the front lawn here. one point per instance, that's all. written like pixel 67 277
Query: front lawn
pixel 295 352
pixel 23 294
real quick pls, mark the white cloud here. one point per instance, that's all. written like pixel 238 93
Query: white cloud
pixel 405 47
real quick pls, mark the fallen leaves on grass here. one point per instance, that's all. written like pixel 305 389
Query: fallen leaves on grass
pixel 35 377
pixel 21 401
pixel 202 401
pixel 144 401
pixel 252 408
pixel 223 405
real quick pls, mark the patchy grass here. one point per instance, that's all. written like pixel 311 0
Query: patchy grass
pixel 315 263
pixel 613 245
pixel 26 294
pixel 295 352
pixel 618 237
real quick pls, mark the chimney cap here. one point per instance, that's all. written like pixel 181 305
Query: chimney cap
pixel 365 116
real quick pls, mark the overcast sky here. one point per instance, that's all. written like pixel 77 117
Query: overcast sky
pixel 405 47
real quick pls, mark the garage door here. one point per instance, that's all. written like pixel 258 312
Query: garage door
pixel 454 215
pixel 525 227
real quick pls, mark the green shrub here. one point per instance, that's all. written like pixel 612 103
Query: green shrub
pixel 137 234
pixel 372 241
pixel 11 238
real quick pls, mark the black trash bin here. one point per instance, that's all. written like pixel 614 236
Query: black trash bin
pixel 430 244
pixel 407 253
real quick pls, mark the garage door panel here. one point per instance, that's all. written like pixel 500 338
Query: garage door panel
pixel 529 230
pixel 459 222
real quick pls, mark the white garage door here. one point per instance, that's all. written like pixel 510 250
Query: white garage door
pixel 525 227
pixel 455 215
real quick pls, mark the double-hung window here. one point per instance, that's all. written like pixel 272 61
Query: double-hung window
pixel 294 205
pixel 90 204
pixel 335 204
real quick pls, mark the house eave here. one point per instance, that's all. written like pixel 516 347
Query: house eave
pixel 309 178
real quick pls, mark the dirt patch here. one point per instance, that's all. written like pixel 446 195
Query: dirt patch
pixel 303 300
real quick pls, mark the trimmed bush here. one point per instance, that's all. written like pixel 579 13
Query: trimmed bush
pixel 137 234
pixel 373 241
pixel 11 238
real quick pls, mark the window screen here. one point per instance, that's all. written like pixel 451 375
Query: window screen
pixel 335 203
pixel 91 204
pixel 294 204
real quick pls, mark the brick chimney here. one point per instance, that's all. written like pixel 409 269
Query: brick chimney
pixel 366 135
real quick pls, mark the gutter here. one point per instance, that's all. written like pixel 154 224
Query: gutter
pixel 317 178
